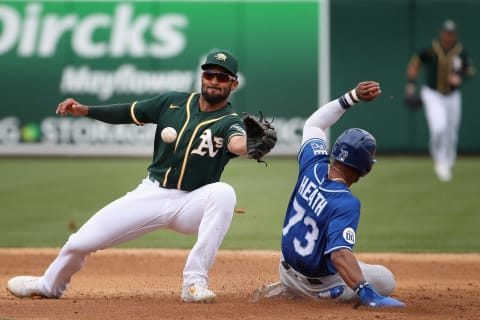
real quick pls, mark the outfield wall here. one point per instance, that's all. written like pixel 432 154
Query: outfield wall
pixel 103 52
pixel 374 39
pixel 106 51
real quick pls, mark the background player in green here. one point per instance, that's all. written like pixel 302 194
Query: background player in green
pixel 447 67
pixel 181 192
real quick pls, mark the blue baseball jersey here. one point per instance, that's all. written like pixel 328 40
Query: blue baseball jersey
pixel 322 215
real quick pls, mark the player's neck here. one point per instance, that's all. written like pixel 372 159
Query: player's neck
pixel 337 175
pixel 206 106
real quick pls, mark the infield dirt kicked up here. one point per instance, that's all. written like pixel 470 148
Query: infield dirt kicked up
pixel 145 284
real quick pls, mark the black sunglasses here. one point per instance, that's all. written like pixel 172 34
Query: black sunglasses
pixel 221 77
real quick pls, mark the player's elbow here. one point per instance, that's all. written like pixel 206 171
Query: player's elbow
pixel 340 258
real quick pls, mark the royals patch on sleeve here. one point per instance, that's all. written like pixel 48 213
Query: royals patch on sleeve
pixel 318 147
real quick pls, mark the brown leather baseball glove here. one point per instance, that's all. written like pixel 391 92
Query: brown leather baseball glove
pixel 261 136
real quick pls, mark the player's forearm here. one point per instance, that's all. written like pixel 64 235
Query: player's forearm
pixel 114 114
pixel 238 145
pixel 347 266
pixel 321 120
pixel 326 115
pixel 413 69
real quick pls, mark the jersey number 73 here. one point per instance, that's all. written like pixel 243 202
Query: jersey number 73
pixel 310 236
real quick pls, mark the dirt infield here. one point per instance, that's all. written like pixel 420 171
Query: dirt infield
pixel 145 284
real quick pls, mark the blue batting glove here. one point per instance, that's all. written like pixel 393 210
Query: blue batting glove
pixel 369 297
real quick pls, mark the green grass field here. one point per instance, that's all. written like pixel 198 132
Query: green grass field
pixel 404 207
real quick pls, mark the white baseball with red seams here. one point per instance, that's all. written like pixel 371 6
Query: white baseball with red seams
pixel 169 134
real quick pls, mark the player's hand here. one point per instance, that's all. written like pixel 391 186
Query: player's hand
pixel 410 89
pixel 70 106
pixel 368 90
pixel 411 99
pixel 455 80
pixel 369 297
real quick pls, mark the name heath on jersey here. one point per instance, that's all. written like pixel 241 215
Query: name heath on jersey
pixel 309 191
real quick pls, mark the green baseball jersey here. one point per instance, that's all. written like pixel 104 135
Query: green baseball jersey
pixel 439 64
pixel 199 154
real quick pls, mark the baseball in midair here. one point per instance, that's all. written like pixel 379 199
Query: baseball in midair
pixel 169 134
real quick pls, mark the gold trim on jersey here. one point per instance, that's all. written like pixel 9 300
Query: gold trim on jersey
pixel 164 183
pixel 444 67
pixel 192 138
pixel 186 120
pixel 187 151
pixel 132 114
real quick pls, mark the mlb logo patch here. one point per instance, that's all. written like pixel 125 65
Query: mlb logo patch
pixel 349 235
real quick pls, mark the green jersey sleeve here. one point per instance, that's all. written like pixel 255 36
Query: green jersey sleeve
pixel 236 128
pixel 149 110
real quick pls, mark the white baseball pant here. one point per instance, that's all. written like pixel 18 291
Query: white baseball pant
pixel 378 276
pixel 443 114
pixel 207 211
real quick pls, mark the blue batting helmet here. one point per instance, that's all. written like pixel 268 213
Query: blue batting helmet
pixel 356 148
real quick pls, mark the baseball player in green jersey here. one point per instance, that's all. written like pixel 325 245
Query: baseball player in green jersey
pixel 447 66
pixel 181 192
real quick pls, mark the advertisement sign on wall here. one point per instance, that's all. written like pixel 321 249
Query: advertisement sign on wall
pixel 104 52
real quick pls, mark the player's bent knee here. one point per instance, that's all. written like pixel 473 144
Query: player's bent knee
pixel 76 245
pixel 386 281
pixel 225 188
pixel 224 193
pixel 380 277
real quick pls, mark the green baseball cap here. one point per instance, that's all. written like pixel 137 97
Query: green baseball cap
pixel 222 59
pixel 448 26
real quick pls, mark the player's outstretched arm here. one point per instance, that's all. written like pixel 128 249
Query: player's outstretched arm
pixel 413 70
pixel 72 107
pixel 114 114
pixel 327 115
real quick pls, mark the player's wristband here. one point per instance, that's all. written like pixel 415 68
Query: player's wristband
pixel 348 99
pixel 353 95
pixel 412 81
pixel 359 286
